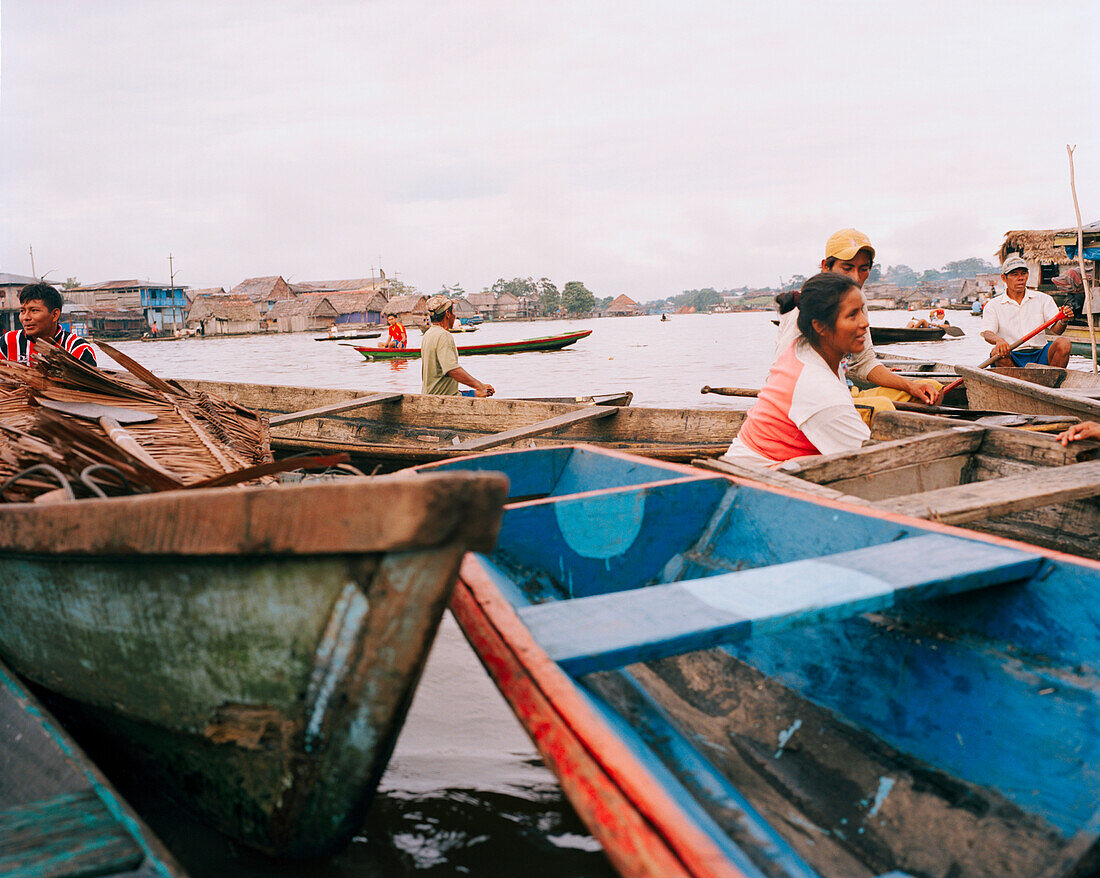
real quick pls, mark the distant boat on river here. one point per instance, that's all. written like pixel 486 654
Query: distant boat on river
pixel 547 343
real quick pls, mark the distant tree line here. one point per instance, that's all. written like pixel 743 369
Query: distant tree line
pixel 575 299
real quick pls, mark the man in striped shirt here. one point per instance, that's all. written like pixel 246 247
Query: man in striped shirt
pixel 40 313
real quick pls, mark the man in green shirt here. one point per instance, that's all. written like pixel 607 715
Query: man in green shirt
pixel 439 355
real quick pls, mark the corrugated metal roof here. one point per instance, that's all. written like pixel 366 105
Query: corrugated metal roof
pixel 20 279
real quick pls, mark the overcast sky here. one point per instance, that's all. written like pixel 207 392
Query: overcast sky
pixel 643 148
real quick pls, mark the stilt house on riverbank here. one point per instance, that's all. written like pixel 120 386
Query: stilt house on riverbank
pixel 623 306
pixel 224 315
pixel 409 310
pixel 306 313
pixel 264 291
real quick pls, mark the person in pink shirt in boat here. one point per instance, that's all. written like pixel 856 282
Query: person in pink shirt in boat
pixel 805 406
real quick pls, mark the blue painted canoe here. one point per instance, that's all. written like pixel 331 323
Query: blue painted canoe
pixel 58 814
pixel 731 679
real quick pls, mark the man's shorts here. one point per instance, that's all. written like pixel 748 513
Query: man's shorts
pixel 1021 357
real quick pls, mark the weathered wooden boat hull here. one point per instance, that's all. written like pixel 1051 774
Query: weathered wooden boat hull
pixel 949 736
pixel 419 429
pixel 549 343
pixel 256 648
pixel 996 480
pixel 58 814
pixel 1039 390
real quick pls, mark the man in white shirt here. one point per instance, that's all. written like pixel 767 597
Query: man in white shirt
pixel 1015 313
pixel 849 252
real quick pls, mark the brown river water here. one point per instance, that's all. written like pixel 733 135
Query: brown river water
pixel 466 792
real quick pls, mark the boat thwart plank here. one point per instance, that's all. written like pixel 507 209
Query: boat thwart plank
pixel 601 632
pixel 591 413
pixel 357 403
pixel 976 501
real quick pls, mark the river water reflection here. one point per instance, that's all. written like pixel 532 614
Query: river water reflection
pixel 466 792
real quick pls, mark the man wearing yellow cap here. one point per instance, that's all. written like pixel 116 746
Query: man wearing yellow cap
pixel 439 367
pixel 849 252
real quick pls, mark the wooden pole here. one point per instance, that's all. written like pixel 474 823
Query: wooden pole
pixel 1081 257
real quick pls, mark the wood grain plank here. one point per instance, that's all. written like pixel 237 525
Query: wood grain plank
pixel 333 408
pixel 610 630
pixel 70 834
pixel 996 497
pixel 558 422
pixel 825 468
pixel 420 511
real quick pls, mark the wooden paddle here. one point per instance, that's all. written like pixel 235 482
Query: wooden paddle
pixel 943 410
pixel 1063 313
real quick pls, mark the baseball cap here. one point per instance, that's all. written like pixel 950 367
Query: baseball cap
pixel 846 243
pixel 439 304
pixel 1012 263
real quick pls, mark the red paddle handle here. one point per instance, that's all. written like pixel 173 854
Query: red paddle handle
pixel 1061 315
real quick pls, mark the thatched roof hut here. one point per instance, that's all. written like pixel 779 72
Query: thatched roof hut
pixel 406 305
pixel 1048 246
pixel 350 285
pixel 623 306
pixel 230 314
pixel 263 289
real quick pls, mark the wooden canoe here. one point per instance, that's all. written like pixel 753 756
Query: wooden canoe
pixel 895 334
pixel 1013 483
pixel 58 814
pixel 547 343
pixel 1040 390
pixel 1080 341
pixel 417 429
pixel 349 335
pixel 256 649
pixel 740 681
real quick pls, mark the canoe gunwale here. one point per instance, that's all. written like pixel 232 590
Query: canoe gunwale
pixel 1014 394
pixel 328 518
pixel 480 610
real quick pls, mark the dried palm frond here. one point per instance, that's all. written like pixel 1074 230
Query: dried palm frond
pixel 195 438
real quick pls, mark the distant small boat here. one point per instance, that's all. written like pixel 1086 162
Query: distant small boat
pixel 58 814
pixel 895 334
pixel 345 335
pixel 548 343
pixel 743 681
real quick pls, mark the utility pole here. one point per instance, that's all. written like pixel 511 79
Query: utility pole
pixel 171 287
pixel 35 276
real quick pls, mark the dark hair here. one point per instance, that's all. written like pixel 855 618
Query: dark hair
pixel 819 299
pixel 787 301
pixel 50 297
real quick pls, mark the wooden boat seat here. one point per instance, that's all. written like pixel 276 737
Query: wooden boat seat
pixel 69 834
pixel 606 631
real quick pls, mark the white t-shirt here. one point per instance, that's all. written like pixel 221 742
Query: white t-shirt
pixel 821 408
pixel 860 365
pixel 1011 321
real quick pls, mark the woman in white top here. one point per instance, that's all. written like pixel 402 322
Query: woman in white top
pixel 805 406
